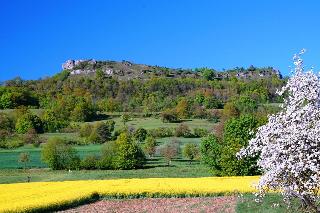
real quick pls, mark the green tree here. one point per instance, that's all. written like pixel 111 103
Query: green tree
pixel 237 133
pixel 150 146
pixel 52 122
pixel 170 150
pixel 191 151
pixel 210 149
pixel 182 109
pixel 29 121
pixel 109 152
pixel 5 122
pixel 245 104
pixel 24 158
pixel 125 118
pixel 129 154
pixel 207 73
pixel 102 132
pixel 169 116
pixel 183 130
pixel 58 155
pixel 140 134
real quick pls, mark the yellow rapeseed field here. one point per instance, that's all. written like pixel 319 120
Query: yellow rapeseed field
pixel 28 196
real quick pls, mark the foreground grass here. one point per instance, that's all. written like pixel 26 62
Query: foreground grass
pixel 22 197
pixel 272 203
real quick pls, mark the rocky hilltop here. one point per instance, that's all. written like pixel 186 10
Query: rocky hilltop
pixel 126 70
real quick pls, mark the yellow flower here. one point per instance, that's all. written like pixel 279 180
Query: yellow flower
pixel 29 196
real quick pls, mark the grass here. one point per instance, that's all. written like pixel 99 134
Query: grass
pixel 155 168
pixel 9 158
pixel 152 123
pixel 272 203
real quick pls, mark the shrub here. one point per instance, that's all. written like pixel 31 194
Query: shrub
pixel 102 132
pixel 212 103
pixel 12 142
pixel 5 122
pixel 59 156
pixel 183 131
pixel 161 132
pixel 52 122
pixel 200 132
pixel 191 151
pixel 170 150
pixel 150 146
pixel 237 133
pixel 125 118
pixel 31 137
pixel 85 130
pixel 169 116
pixel 24 158
pixel 89 162
pixel 245 104
pixel 200 112
pixel 140 134
pixel 29 121
pixel 210 149
pixel 230 110
pixel 129 154
pixel 108 156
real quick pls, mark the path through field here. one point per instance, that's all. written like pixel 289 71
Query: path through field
pixel 162 205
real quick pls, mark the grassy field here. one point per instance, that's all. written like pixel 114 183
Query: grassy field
pixel 152 123
pixel 9 158
pixel 272 203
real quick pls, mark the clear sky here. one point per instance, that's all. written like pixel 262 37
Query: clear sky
pixel 37 36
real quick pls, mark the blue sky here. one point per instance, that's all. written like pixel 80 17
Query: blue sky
pixel 37 36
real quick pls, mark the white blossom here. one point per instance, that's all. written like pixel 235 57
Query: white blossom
pixel 289 144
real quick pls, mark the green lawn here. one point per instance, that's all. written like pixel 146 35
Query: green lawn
pixel 9 158
pixel 152 123
pixel 272 203
pixel 155 167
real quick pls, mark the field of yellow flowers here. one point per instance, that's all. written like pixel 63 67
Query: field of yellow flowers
pixel 24 197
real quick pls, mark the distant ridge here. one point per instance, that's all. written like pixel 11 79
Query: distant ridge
pixel 126 70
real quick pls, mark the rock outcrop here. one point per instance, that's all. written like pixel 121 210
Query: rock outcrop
pixel 127 70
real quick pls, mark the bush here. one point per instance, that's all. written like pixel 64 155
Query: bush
pixel 140 134
pixel 57 155
pixel 29 121
pixel 31 137
pixel 191 151
pixel 5 122
pixel 210 149
pixel 12 142
pixel 183 131
pixel 169 116
pixel 52 122
pixel 129 154
pixel 89 162
pixel 161 132
pixel 108 156
pixel 170 150
pixel 200 132
pixel 102 132
pixel 212 103
pixel 245 104
pixel 150 146
pixel 237 133
pixel 200 112
pixel 85 130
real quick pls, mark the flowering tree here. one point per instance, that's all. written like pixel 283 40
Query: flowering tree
pixel 289 144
